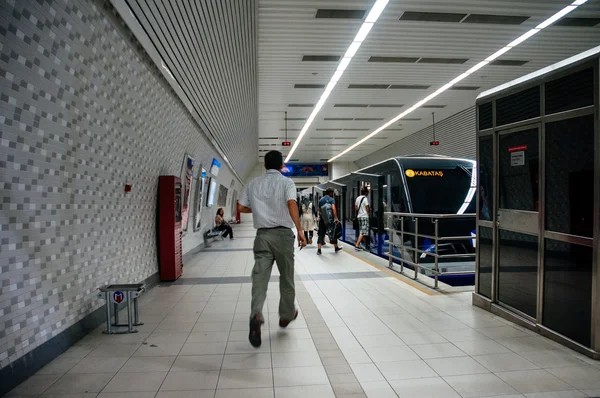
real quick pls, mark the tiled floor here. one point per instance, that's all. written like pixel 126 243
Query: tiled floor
pixel 360 333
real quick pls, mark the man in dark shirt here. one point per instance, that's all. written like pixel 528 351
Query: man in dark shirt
pixel 327 199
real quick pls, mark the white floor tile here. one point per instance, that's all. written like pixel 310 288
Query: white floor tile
pixel 126 382
pixel 442 350
pixel 479 386
pixel 213 348
pixel 247 361
pixel 246 393
pixel 291 344
pixel 528 381
pixel 434 387
pixel 552 359
pixel 244 347
pixel 378 389
pixel 406 370
pixel 300 376
pixel 158 350
pixel 557 394
pixel 504 362
pixel 391 354
pixel 382 340
pixel 481 347
pixel 196 363
pixel 114 350
pixel 184 381
pixel 456 366
pixel 245 378
pixel 80 383
pixel 320 391
pixel 580 377
pixel 367 372
pixel 99 365
pixel 59 366
pixel 35 385
pixel 296 359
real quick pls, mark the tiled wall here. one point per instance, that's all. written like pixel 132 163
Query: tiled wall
pixel 82 112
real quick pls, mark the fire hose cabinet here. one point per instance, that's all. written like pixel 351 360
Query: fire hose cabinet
pixel 170 233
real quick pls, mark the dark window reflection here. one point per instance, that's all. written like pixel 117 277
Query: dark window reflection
pixel 519 106
pixel 570 176
pixel 519 170
pixel 485 261
pixel 570 92
pixel 486 169
pixel 568 290
pixel 518 269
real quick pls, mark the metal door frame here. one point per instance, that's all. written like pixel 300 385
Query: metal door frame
pixel 498 132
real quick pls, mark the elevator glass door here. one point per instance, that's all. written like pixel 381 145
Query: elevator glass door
pixel 517 212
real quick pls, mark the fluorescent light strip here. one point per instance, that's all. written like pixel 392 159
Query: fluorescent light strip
pixel 475 68
pixel 362 34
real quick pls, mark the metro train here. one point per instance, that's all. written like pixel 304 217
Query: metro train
pixel 418 184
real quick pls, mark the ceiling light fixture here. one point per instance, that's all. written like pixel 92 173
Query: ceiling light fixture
pixel 472 70
pixel 360 37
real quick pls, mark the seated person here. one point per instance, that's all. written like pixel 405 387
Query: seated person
pixel 223 225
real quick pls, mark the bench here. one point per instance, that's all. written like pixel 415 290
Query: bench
pixel 212 234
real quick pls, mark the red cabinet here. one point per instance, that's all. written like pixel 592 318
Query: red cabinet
pixel 170 251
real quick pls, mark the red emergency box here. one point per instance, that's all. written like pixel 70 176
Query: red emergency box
pixel 170 233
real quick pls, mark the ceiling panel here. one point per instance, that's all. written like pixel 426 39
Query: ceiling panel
pixel 210 48
pixel 288 31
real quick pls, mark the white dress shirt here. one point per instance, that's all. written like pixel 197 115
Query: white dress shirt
pixel 267 196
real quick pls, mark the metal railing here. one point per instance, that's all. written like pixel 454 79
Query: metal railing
pixel 414 250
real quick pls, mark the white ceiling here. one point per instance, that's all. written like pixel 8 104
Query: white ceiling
pixel 288 30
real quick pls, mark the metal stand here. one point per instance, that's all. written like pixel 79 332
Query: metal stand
pixel 116 294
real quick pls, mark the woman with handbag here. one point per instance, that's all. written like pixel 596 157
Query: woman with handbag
pixel 308 216
pixel 361 205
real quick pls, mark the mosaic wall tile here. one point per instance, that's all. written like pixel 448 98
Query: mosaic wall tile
pixel 83 111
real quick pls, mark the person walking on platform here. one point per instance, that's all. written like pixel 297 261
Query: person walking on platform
pixel 223 225
pixel 271 199
pixel 328 216
pixel 308 214
pixel 361 205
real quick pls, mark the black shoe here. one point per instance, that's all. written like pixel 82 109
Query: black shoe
pixel 254 335
pixel 337 249
pixel 284 323
pixel 318 252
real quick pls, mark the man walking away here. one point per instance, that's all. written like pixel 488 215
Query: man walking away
pixel 361 205
pixel 324 222
pixel 271 199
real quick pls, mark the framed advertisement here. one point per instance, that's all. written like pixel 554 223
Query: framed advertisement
pixel 200 184
pixel 187 174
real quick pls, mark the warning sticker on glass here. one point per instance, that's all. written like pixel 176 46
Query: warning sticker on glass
pixel 517 158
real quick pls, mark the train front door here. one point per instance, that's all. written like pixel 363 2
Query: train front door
pixel 518 219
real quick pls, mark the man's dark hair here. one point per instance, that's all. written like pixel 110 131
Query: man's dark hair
pixel 273 160
pixel 364 191
pixel 329 191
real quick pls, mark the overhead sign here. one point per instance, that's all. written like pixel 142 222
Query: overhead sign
pixel 517 148
pixel 286 143
pixel 305 170
pixel 423 173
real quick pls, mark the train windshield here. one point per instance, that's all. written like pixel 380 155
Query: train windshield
pixel 441 190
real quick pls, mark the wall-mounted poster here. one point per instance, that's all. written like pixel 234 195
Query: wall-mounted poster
pixel 214 167
pixel 198 200
pixel 187 174
pixel 305 170
pixel 234 199
pixel 222 201
pixel 212 188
